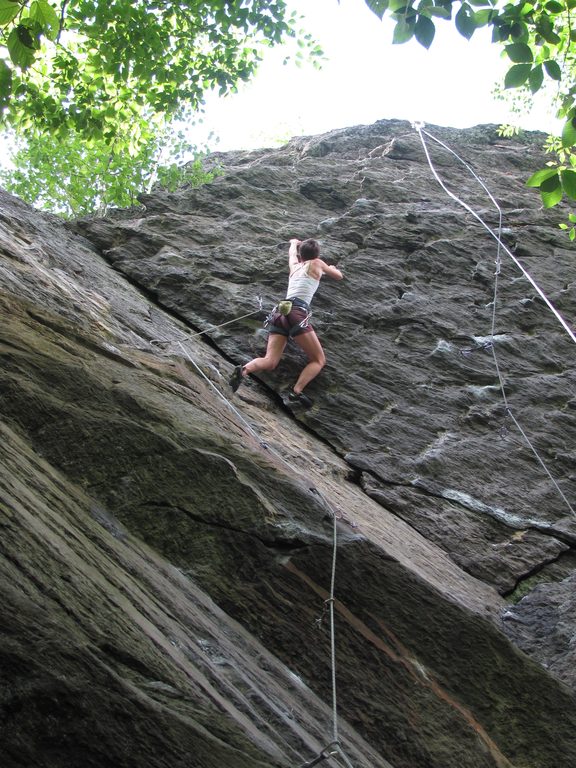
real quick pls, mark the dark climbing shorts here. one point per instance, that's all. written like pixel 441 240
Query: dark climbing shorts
pixel 292 324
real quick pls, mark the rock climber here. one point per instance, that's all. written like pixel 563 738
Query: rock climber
pixel 290 320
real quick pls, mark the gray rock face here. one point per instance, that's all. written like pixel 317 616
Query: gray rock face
pixel 169 546
pixel 411 395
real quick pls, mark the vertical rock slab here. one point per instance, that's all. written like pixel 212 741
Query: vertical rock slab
pixel 108 387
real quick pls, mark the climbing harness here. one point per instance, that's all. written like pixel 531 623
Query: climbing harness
pixel 501 246
pixel 284 308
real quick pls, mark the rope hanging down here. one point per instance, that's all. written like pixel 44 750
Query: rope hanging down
pixel 335 744
pixel 334 748
pixel 478 218
pixel 501 246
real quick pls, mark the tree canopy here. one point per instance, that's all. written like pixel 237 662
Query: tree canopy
pixel 76 177
pixel 94 87
pixel 98 65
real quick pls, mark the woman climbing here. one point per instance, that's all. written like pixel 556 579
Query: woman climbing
pixel 289 319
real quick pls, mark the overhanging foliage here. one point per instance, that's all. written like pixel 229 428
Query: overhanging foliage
pixel 98 65
pixel 539 39
pixel 89 86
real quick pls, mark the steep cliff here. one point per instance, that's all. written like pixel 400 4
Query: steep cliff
pixel 169 546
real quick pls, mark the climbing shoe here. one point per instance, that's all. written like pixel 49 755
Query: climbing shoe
pixel 236 378
pixel 300 399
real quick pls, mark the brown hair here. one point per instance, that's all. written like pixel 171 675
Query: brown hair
pixel 308 250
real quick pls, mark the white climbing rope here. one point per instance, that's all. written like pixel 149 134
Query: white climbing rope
pixel 331 600
pixel 213 327
pixel 157 342
pixel 221 396
pixel 335 744
pixel 332 636
pixel 478 218
pixel 497 237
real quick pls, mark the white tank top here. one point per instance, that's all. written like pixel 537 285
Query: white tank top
pixel 301 285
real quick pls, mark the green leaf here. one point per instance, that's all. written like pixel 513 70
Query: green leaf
pixel 545 28
pixel 8 11
pixel 379 7
pixel 541 176
pixel 162 56
pixel 569 133
pixel 72 176
pixel 568 179
pixel 519 30
pixel 439 11
pixel 5 83
pixel 29 33
pixel 424 31
pixel 500 32
pixel 551 184
pixel 465 21
pixel 553 69
pixel 554 7
pixel 403 31
pixel 519 53
pixel 517 75
pixel 553 195
pixel 536 78
pixel 42 12
pixel 483 17
pixel 20 52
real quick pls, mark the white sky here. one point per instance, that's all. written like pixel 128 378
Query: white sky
pixel 365 79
